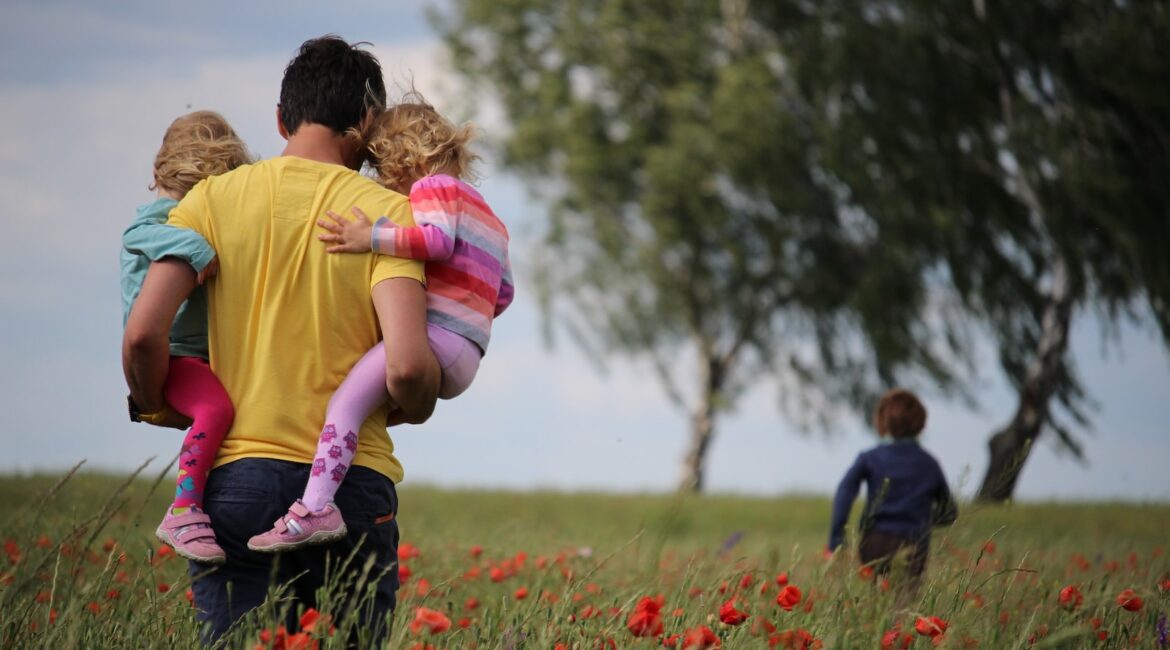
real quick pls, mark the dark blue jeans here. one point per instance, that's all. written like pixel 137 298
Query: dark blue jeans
pixel 245 497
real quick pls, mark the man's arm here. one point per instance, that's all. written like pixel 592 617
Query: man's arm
pixel 146 341
pixel 412 373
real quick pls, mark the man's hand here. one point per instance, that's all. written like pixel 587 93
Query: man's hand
pixel 209 271
pixel 395 418
pixel 348 236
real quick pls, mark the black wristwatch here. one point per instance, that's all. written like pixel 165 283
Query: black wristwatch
pixel 135 414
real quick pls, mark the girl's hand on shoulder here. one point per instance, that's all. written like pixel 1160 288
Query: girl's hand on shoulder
pixel 347 236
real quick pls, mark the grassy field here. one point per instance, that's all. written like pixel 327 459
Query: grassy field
pixel 544 570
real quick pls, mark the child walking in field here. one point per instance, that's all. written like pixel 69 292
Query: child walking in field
pixel 906 492
pixel 195 146
pixel 415 151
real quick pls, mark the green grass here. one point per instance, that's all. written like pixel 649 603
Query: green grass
pixel 81 569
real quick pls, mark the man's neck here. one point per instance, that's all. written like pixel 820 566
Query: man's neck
pixel 318 142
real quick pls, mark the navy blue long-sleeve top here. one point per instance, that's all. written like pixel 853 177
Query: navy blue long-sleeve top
pixel 906 492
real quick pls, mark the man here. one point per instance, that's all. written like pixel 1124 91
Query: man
pixel 286 323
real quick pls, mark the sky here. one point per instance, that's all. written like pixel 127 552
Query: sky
pixel 86 92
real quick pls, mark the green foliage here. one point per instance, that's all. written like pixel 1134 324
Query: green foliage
pixel 836 193
pixel 692 211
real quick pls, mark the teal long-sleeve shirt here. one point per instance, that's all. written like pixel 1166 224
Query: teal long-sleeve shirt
pixel 149 239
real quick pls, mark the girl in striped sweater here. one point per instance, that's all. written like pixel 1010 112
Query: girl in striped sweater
pixel 415 151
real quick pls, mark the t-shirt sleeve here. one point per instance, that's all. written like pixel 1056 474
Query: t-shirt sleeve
pixel 192 213
pixel 387 267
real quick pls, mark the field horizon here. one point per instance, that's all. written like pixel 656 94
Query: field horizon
pixel 536 569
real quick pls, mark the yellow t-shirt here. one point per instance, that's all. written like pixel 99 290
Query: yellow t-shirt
pixel 286 320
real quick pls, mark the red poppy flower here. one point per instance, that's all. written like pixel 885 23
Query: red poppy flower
pixel 471 603
pixel 896 639
pixel 407 551
pixel 300 641
pixel 730 615
pixel 497 574
pixel 789 597
pixel 782 578
pixel 795 640
pixel 865 572
pixel 930 626
pixel 436 622
pixel 646 620
pixel 404 572
pixel 521 593
pixel 464 623
pixel 671 641
pixel 1071 597
pixel 700 637
pixel 476 550
pixel 312 619
pixel 1130 601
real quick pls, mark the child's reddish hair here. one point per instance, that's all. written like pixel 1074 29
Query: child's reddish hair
pixel 899 414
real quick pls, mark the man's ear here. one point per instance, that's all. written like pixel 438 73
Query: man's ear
pixel 280 124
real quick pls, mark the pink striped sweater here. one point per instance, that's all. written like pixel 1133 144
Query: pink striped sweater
pixel 465 246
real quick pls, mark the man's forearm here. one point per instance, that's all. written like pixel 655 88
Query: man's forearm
pixel 415 393
pixel 146 341
pixel 412 373
pixel 145 362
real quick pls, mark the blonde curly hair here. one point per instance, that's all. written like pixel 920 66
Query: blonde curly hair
pixel 195 146
pixel 411 140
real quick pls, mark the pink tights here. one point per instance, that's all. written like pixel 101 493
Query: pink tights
pixel 193 390
pixel 364 390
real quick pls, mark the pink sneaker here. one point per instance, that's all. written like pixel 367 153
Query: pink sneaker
pixel 191 536
pixel 301 527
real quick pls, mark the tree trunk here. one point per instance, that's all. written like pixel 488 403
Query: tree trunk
pixel 702 429
pixel 1011 445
